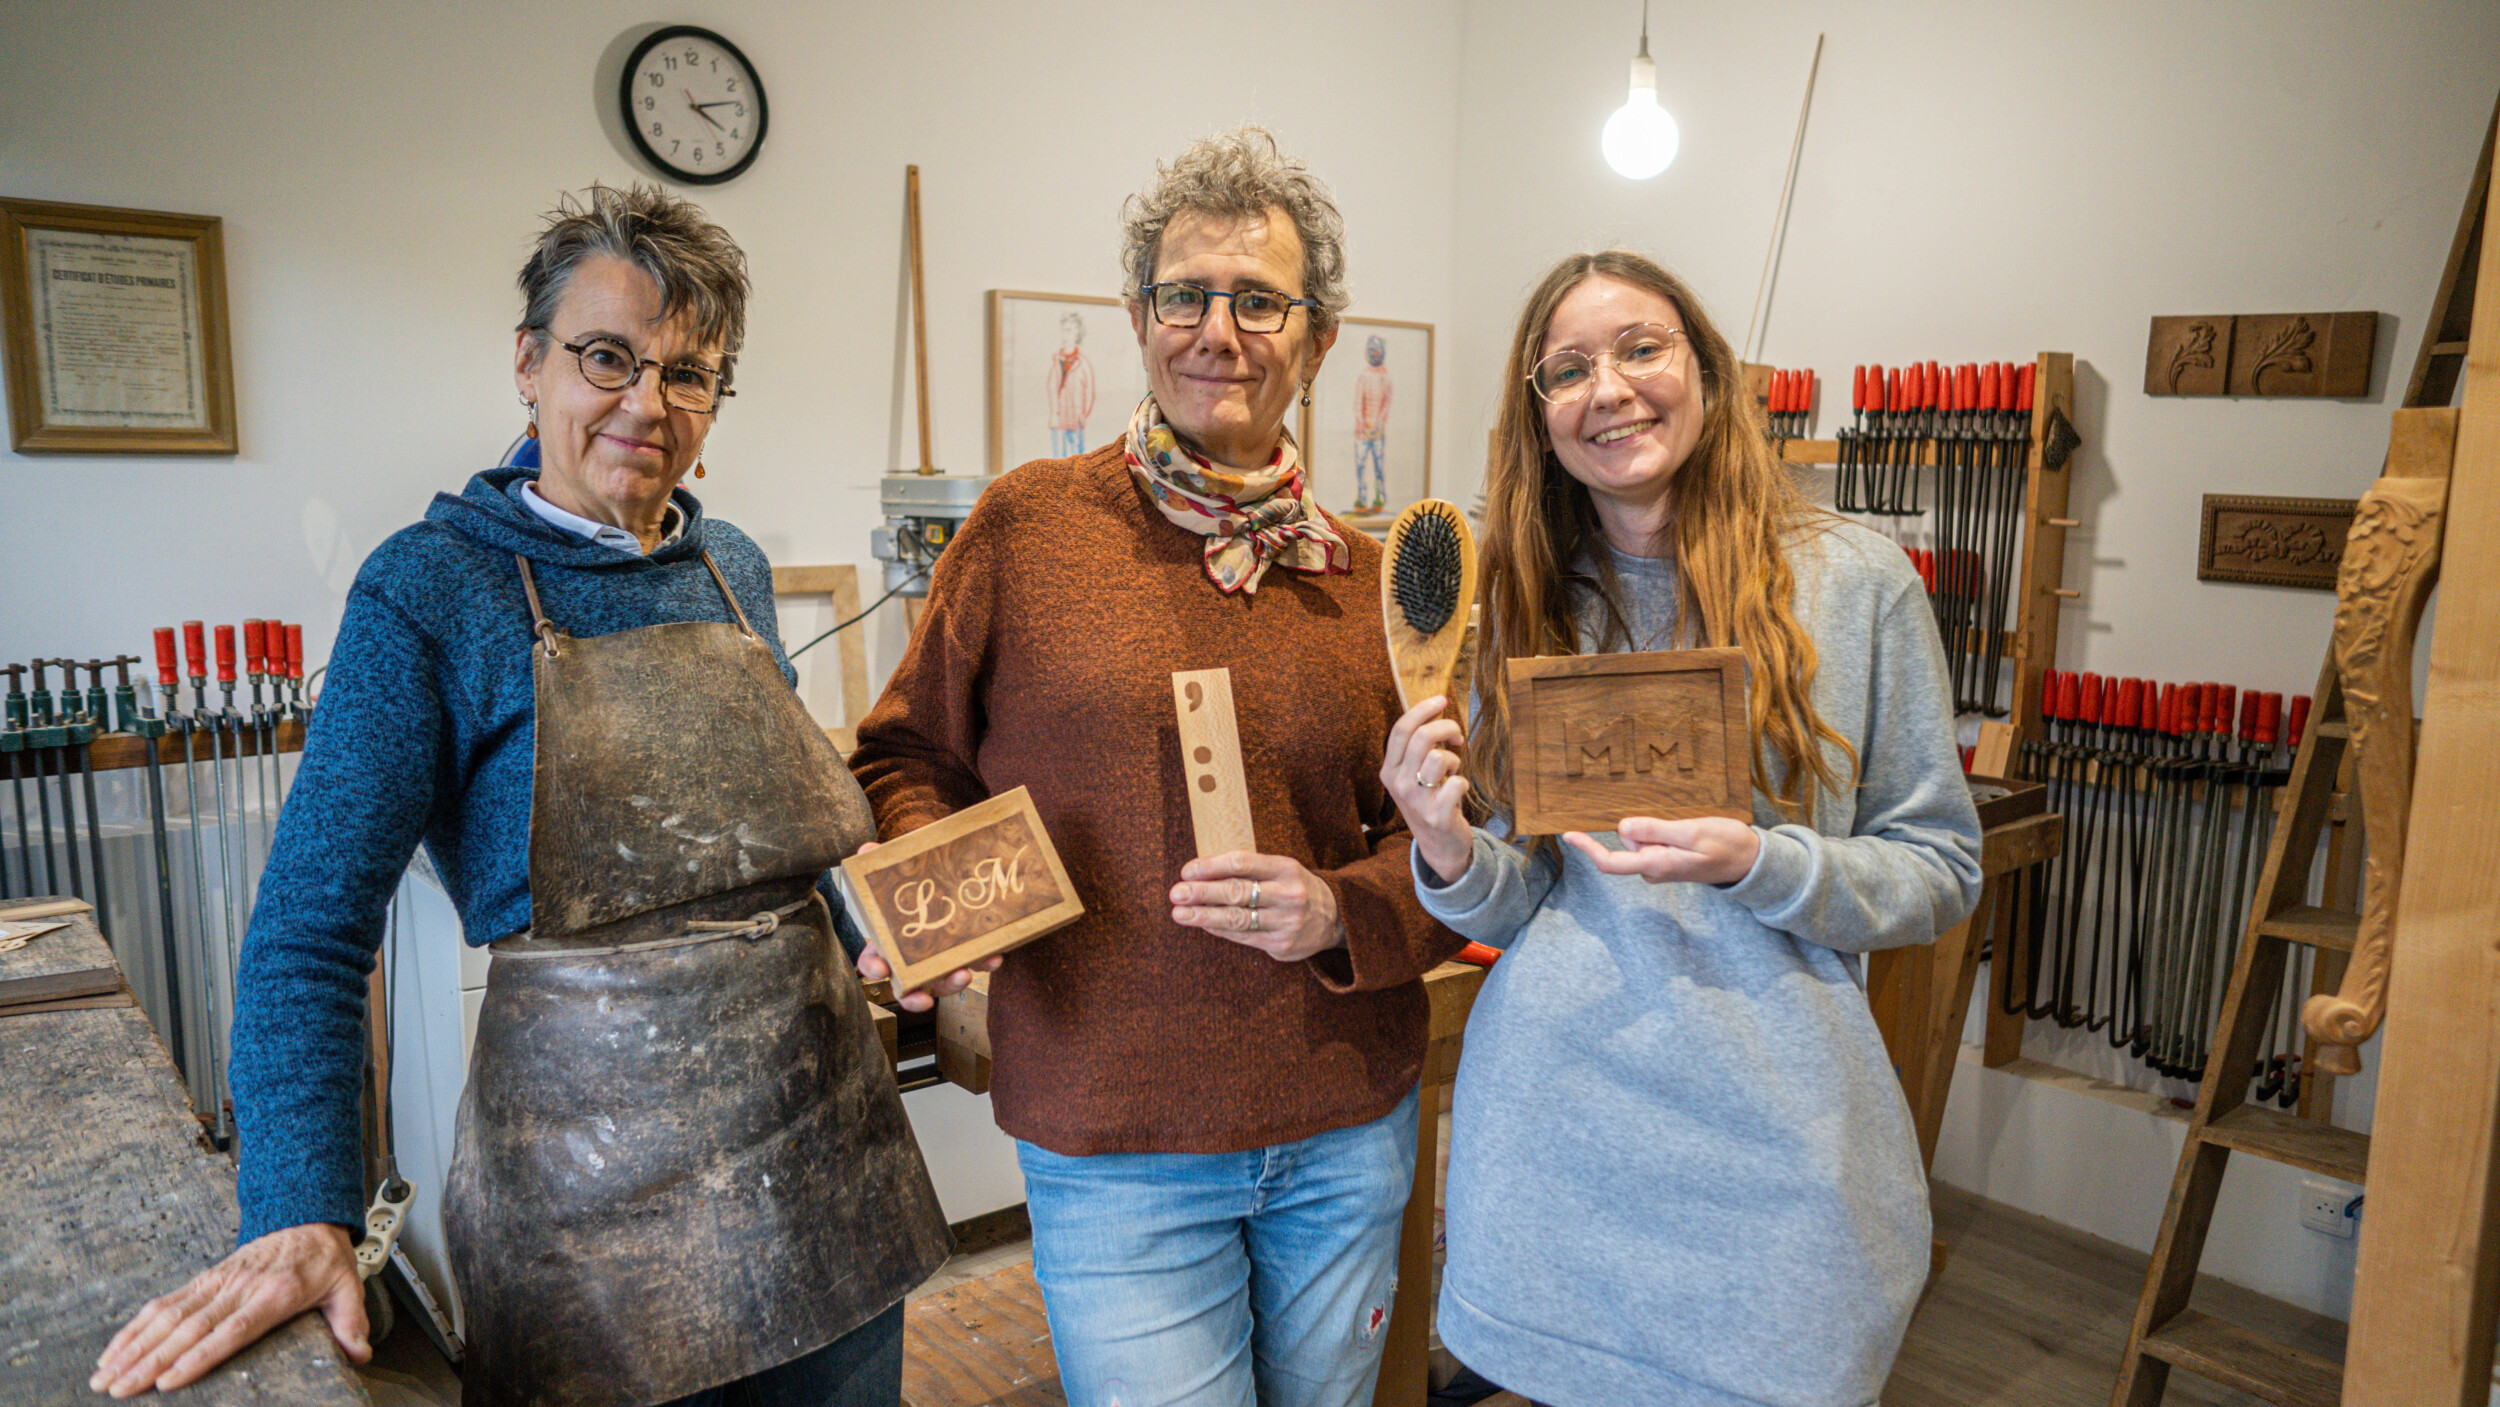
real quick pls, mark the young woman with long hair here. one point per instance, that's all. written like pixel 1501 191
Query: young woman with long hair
pixel 1681 1169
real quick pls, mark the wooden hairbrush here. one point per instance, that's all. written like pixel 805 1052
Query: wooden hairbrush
pixel 1426 587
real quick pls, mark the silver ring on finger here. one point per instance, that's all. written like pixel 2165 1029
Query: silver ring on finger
pixel 1253 925
pixel 1254 896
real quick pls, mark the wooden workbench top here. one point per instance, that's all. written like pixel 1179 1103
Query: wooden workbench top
pixel 107 1198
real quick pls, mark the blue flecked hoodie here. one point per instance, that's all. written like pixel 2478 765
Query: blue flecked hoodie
pixel 425 731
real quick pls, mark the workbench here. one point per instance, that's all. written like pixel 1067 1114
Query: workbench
pixel 108 1196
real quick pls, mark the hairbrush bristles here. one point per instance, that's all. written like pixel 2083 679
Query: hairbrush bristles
pixel 1425 573
pixel 1427 586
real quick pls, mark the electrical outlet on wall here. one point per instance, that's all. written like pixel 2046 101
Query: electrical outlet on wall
pixel 2330 1208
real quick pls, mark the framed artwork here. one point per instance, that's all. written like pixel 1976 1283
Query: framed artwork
pixel 1367 435
pixel 1064 375
pixel 113 331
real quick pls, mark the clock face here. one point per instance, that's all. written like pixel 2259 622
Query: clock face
pixel 694 105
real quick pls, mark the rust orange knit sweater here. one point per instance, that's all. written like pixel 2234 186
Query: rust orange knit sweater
pixel 1056 619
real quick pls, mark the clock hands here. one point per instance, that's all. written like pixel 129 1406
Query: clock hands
pixel 699 110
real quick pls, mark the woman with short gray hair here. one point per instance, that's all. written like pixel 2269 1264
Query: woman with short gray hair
pixel 682 1168
pixel 1211 1076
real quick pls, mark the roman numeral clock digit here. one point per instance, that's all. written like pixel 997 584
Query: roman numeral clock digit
pixel 693 105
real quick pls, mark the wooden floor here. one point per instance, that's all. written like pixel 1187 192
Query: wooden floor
pixel 2026 1314
pixel 2030 1314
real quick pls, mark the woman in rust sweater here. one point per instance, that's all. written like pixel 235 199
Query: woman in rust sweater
pixel 1211 1076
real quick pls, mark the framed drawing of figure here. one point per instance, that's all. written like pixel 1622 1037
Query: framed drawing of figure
pixel 1064 375
pixel 1368 433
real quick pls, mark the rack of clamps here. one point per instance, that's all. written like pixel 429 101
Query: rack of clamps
pixel 233 784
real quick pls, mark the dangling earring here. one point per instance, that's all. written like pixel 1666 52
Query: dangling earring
pixel 1306 395
pixel 533 408
pixel 698 468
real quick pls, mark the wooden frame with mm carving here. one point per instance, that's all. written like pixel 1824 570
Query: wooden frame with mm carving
pixel 982 881
pixel 134 303
pixel 1668 728
pixel 2273 541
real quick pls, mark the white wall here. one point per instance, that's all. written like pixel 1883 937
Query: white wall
pixel 1982 181
pixel 379 170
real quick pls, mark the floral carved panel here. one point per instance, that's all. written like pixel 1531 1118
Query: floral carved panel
pixel 2261 354
pixel 2273 541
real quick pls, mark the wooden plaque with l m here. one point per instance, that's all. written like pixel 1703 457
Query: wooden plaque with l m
pixel 982 881
pixel 1596 738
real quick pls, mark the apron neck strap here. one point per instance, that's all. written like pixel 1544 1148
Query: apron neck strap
pixel 730 596
pixel 544 628
pixel 547 632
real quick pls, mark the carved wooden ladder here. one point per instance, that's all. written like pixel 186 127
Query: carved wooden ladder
pixel 2363 704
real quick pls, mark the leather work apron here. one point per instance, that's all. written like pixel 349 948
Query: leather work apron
pixel 681 1156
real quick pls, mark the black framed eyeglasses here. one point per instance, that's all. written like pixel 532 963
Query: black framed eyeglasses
pixel 610 365
pixel 1254 309
pixel 1641 351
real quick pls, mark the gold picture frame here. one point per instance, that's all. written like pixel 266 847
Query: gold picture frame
pixel 113 330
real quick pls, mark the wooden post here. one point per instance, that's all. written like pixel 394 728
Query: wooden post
pixel 919 315
pixel 2423 1291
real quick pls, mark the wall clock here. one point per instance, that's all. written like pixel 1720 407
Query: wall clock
pixel 693 104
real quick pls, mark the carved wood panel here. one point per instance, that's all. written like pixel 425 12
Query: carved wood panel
pixel 1602 737
pixel 2273 541
pixel 2261 354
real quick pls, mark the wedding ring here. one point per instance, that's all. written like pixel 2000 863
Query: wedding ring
pixel 1254 896
pixel 1253 925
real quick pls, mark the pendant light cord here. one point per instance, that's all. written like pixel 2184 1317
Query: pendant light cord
pixel 1788 190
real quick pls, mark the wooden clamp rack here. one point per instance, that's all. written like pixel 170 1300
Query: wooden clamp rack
pixel 2040 594
pixel 2040 584
pixel 113 751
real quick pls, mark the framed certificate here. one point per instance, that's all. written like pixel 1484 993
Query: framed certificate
pixel 113 324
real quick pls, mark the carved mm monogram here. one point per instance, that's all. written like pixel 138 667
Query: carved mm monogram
pixel 1627 742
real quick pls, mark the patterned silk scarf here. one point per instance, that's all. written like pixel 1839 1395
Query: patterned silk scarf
pixel 1250 521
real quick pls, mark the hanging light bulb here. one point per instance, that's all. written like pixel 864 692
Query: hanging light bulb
pixel 1640 139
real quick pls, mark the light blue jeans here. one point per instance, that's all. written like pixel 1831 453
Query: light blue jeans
pixel 1223 1279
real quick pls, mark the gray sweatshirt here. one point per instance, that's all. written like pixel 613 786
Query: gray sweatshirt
pixel 1681 1168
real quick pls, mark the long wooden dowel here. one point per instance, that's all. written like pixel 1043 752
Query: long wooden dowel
pixel 919 316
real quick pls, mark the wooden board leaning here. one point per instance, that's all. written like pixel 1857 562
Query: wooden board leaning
pixel 982 881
